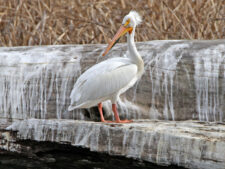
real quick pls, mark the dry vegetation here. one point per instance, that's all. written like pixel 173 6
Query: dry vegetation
pixel 45 22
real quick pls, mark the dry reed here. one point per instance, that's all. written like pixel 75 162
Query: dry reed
pixel 45 22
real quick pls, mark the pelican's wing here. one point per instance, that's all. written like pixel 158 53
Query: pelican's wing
pixel 103 79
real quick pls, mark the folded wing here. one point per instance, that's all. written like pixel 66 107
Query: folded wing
pixel 102 80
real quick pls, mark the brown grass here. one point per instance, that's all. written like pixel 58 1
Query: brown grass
pixel 45 22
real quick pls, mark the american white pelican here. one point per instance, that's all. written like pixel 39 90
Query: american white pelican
pixel 110 78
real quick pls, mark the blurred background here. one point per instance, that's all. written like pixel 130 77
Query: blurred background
pixel 47 22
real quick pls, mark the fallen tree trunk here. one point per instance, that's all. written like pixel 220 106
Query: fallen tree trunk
pixel 183 80
pixel 190 144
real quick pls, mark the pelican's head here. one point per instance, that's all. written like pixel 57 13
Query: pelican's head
pixel 130 21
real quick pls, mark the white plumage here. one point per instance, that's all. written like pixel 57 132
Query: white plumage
pixel 108 79
pixel 102 82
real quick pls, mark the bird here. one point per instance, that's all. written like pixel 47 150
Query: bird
pixel 108 79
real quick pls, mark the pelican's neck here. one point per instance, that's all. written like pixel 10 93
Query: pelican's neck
pixel 133 53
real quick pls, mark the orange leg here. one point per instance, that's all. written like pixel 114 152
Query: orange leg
pixel 117 115
pixel 101 114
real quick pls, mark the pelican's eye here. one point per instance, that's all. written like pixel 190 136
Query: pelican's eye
pixel 126 23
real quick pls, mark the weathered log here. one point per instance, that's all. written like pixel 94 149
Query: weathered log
pixel 183 80
pixel 190 144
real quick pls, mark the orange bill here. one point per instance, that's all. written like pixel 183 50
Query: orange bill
pixel 119 33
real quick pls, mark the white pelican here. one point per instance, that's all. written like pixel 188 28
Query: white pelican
pixel 110 78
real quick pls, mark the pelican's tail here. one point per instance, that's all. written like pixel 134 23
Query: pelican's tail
pixel 71 107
